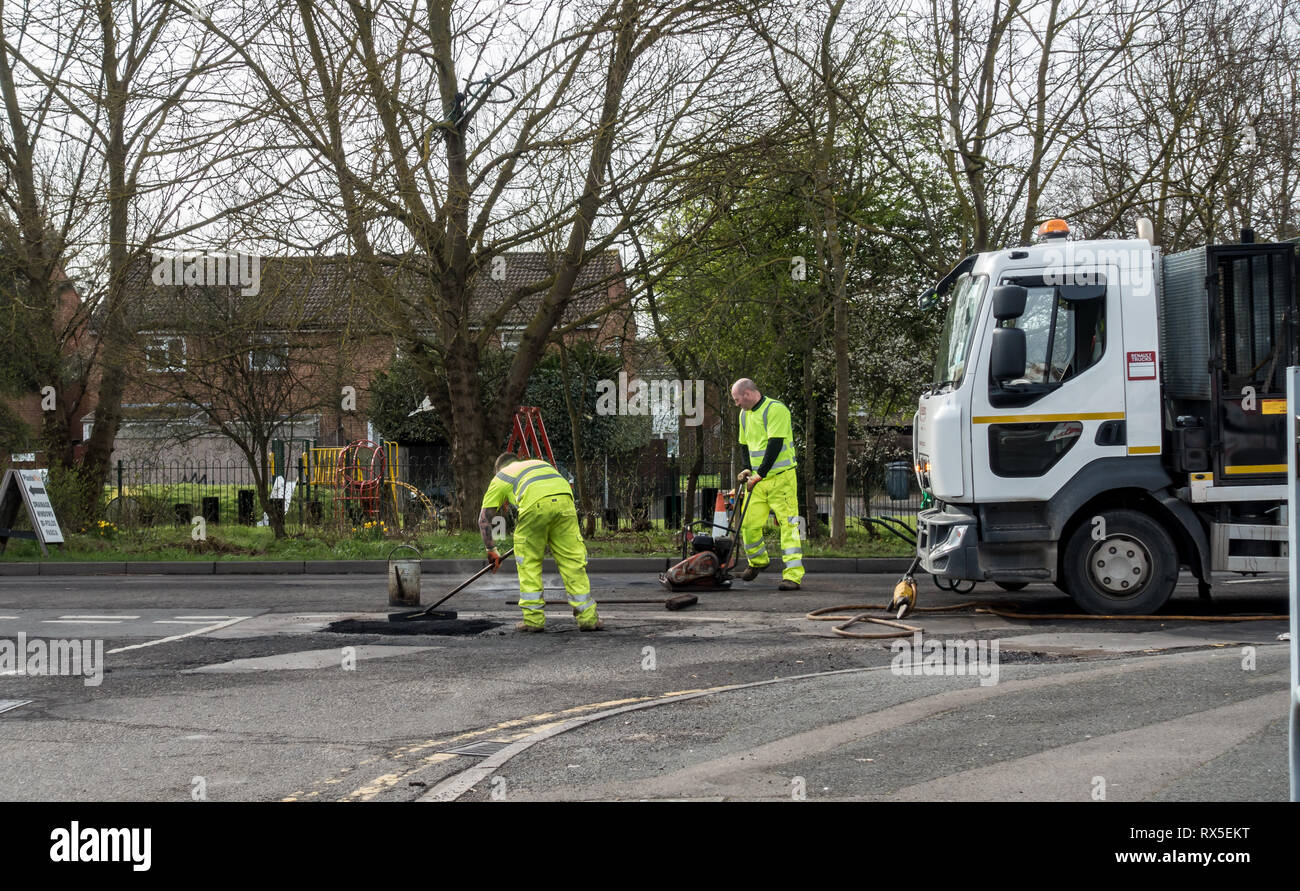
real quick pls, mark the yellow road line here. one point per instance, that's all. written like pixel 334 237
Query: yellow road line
pixel 387 781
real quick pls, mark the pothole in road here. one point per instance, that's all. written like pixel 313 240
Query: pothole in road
pixel 444 627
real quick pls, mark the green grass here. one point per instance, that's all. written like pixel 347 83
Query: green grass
pixel 231 542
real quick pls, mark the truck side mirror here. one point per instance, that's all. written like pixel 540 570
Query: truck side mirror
pixel 1009 302
pixel 1007 354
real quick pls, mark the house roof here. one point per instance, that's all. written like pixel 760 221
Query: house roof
pixel 325 292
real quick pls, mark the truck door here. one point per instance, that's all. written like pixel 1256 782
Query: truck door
pixel 1251 308
pixel 1031 435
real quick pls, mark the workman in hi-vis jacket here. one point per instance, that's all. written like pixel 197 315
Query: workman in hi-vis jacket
pixel 547 516
pixel 766 436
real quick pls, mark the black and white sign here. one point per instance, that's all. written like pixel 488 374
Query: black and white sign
pixel 28 488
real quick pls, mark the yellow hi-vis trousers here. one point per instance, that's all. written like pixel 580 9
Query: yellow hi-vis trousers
pixel 779 495
pixel 552 522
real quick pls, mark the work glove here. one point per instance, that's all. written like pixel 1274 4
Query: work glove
pixel 743 475
pixel 754 480
pixel 494 559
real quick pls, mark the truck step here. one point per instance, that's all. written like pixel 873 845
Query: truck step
pixel 1224 534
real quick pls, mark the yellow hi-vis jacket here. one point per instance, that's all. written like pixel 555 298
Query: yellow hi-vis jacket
pixel 771 418
pixel 524 483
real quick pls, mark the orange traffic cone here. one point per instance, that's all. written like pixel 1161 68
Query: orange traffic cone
pixel 720 514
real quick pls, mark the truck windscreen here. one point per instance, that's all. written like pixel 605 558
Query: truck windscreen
pixel 958 331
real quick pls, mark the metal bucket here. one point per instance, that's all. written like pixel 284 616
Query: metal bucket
pixel 404 579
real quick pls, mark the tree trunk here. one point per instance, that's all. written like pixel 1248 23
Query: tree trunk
pixel 116 332
pixel 575 429
pixel 693 477
pixel 808 460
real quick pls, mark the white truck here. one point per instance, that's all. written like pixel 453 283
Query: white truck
pixel 1102 415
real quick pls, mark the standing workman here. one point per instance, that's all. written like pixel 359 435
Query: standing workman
pixel 766 435
pixel 547 516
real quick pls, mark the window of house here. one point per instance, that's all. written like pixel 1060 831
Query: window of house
pixel 268 354
pixel 510 337
pixel 165 352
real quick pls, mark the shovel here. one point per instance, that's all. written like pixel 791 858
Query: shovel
pixel 429 613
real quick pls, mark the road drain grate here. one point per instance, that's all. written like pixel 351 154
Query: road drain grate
pixel 7 705
pixel 479 749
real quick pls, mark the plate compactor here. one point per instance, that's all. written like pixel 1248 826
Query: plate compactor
pixel 707 559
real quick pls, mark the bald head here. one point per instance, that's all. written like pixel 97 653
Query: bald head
pixel 745 394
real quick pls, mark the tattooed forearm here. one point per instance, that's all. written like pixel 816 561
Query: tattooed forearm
pixel 485 526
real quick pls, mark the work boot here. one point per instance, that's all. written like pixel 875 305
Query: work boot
pixel 524 626
pixel 787 585
pixel 752 572
pixel 599 626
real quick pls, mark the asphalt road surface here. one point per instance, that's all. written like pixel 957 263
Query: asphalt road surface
pixel 235 688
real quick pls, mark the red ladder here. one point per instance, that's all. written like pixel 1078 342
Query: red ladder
pixel 535 444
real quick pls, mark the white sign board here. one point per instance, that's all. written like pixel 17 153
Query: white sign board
pixel 28 486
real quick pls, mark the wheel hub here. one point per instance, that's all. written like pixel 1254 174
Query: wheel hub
pixel 1120 565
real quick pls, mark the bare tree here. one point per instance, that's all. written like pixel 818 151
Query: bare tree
pixel 449 134
pixel 126 84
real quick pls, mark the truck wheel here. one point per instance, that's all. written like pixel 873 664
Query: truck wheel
pixel 1011 586
pixel 1132 571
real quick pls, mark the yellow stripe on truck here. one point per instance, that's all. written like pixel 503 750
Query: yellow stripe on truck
pixel 1144 450
pixel 1255 468
pixel 1047 419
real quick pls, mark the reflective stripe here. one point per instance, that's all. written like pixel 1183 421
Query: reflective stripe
pixel 521 487
pixel 794 550
pixel 758 549
pixel 765 411
pixel 792 563
pixel 781 465
pixel 584 599
pixel 501 475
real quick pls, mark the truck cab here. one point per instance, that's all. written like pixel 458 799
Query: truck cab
pixel 1101 415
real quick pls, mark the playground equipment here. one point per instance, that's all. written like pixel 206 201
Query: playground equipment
pixel 361 471
pixel 363 477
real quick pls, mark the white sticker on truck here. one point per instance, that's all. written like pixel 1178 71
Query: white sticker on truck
pixel 1142 366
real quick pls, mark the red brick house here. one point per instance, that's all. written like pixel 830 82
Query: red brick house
pixel 303 309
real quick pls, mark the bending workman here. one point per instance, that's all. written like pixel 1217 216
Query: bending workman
pixel 547 517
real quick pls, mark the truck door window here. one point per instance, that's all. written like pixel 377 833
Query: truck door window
pixel 1252 305
pixel 1065 335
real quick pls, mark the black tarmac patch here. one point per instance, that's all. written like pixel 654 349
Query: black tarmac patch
pixel 446 627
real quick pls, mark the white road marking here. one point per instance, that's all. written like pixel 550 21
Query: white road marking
pixel 8 617
pixel 207 618
pixel 81 621
pixel 163 640
pixel 98 617
pixel 1249 581
pixel 182 621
